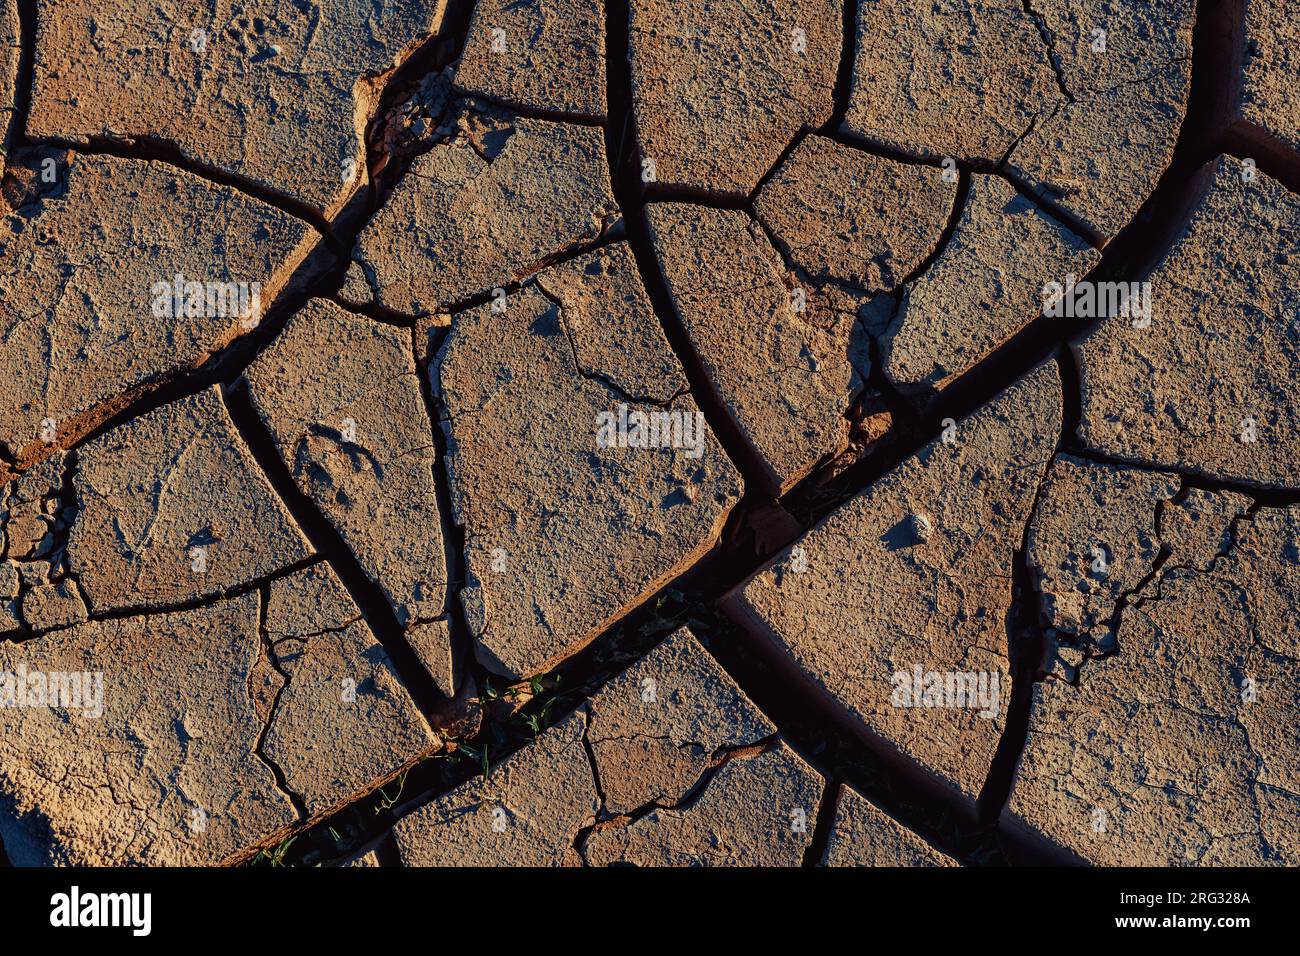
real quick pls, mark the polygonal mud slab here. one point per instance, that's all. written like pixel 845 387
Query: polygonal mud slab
pixel 657 728
pixel 584 478
pixel 1100 45
pixel 117 277
pixel 985 286
pixel 58 604
pixel 1200 528
pixel 1126 71
pixel 1093 541
pixel 307 602
pixel 527 812
pixel 275 92
pixel 342 399
pixel 1271 63
pixel 865 836
pixel 168 773
pixel 1182 747
pixel 894 610
pixel 654 733
pixel 839 213
pixel 1104 187
pixel 1208 385
pixel 434 650
pixel 174 509
pixel 720 89
pixel 9 53
pixel 342 720
pixel 783 360
pixel 486 209
pixel 754 811
pixel 544 55
pixel 960 78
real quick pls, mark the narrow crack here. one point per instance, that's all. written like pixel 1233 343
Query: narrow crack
pixel 684 804
pixel 1049 42
pixel 795 142
pixel 378 313
pixel 600 378
pixel 1052 207
pixel 179 607
pixel 259 748
pixel 967 167
pixel 1150 586
pixel 154 150
pixel 594 764
pixel 1015 143
pixel 1154 590
pixel 545 114
pixel 466 669
pixel 960 200
pixel 1161 67
pixel 526 277
pixel 846 137
pixel 423 354
pixel 1275 495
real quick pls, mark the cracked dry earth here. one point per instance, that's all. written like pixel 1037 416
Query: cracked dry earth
pixel 439 433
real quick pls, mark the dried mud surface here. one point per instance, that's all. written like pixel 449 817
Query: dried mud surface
pixel 775 433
